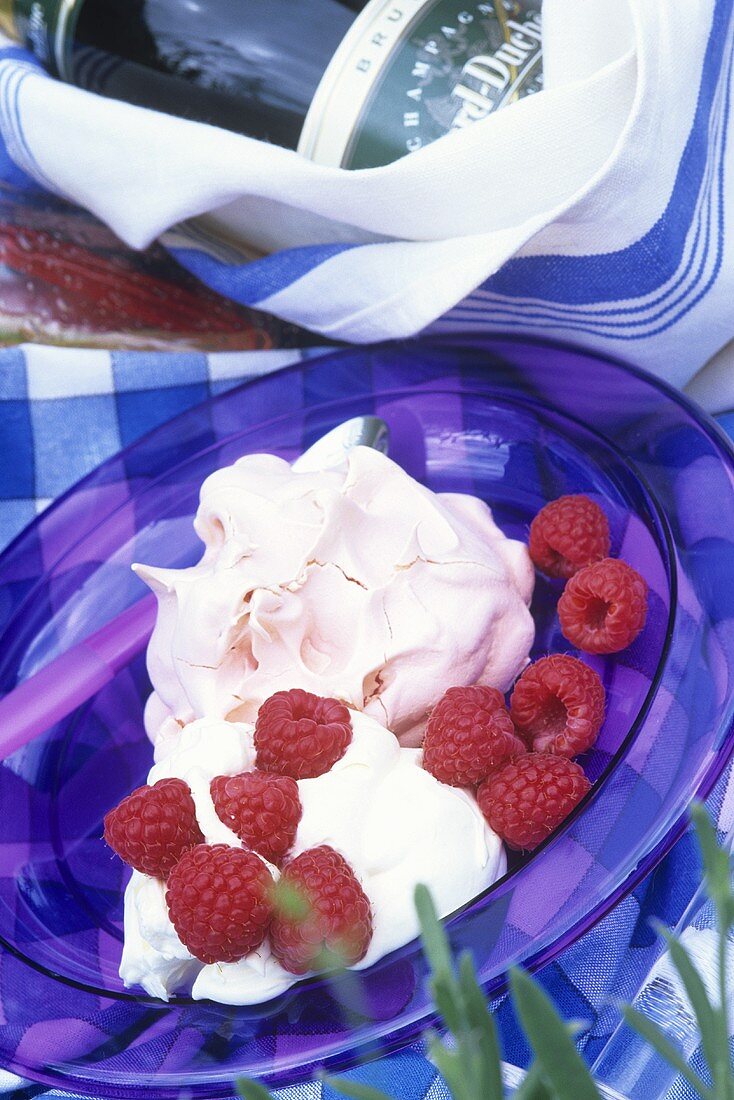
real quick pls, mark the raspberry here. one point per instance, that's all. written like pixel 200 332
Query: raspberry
pixel 322 917
pixel 220 902
pixel 603 607
pixel 525 800
pixel 469 733
pixel 567 534
pixel 558 705
pixel 152 828
pixel 301 735
pixel 263 809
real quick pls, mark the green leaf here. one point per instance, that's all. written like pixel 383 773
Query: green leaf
pixel 721 1071
pixel 709 1026
pixel 489 1085
pixel 559 1060
pixel 652 1035
pixel 473 1068
pixel 448 1003
pixel 250 1090
pixel 351 1088
pixel 435 943
pixel 534 1087
pixel 449 1064
pixel 717 869
pixel 717 875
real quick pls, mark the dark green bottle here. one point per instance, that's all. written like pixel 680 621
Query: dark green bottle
pixel 355 83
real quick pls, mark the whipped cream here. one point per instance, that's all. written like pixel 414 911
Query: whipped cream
pixel 355 582
pixel 395 824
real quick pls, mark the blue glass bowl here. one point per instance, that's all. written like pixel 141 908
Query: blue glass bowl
pixel 515 423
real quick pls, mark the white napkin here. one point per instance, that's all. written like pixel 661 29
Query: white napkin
pixel 594 211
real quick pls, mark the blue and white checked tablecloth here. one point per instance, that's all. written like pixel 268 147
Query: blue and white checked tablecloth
pixel 65 410
pixel 61 412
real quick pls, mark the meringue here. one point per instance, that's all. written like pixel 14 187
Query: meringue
pixel 356 582
pixel 393 822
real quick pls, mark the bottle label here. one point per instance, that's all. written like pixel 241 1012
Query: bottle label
pixel 45 26
pixel 410 71
pixel 407 71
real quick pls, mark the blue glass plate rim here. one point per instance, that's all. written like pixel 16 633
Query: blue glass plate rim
pixel 669 392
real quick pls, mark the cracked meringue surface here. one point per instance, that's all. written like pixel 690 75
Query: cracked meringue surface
pixel 394 823
pixel 355 582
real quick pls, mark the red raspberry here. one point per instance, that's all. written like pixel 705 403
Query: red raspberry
pixel 152 828
pixel 220 902
pixel 558 705
pixel 322 917
pixel 300 734
pixel 603 607
pixel 567 534
pixel 525 800
pixel 263 809
pixel 469 733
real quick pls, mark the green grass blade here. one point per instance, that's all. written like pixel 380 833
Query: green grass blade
pixel 352 1089
pixel 559 1060
pixel 721 1069
pixel 448 1003
pixel 717 869
pixel 655 1038
pixel 435 943
pixel 489 1085
pixel 250 1090
pixel 717 876
pixel 450 1065
pixel 534 1087
pixel 709 1026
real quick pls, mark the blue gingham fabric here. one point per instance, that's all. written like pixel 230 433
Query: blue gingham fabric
pixel 65 410
pixel 61 412
pixel 596 211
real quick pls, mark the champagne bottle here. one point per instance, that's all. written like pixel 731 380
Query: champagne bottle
pixel 350 83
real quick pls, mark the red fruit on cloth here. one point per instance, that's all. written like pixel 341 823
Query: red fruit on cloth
pixel 469 733
pixel 604 607
pixel 300 734
pixel 558 705
pixel 525 800
pixel 322 916
pixel 220 900
pixel 262 809
pixel 567 534
pixel 154 826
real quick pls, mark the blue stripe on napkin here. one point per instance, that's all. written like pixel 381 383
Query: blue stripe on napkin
pixel 251 283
